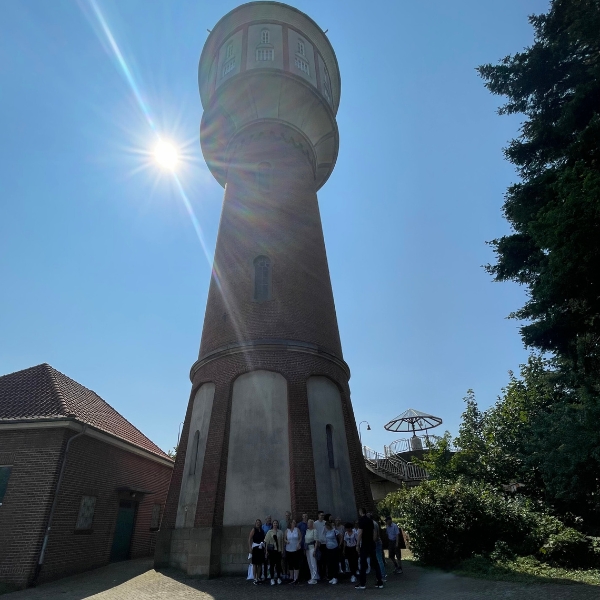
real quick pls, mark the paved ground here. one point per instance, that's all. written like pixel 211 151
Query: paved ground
pixel 136 580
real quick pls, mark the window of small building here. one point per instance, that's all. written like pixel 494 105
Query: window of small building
pixel 85 518
pixel 300 48
pixel 265 37
pixel 330 457
pixel 262 278
pixel 155 518
pixel 229 51
pixel 5 472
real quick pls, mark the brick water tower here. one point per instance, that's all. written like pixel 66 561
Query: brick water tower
pixel 269 425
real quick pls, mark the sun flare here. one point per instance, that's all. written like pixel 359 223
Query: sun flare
pixel 166 156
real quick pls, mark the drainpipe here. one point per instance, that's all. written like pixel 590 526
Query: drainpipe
pixel 40 562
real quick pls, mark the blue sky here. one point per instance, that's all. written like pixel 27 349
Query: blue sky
pixel 102 271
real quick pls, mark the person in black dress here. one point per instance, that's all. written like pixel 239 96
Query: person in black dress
pixel 256 549
pixel 366 543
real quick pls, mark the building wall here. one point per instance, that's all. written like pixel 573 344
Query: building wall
pixel 194 457
pixel 335 492
pixel 95 468
pixel 34 456
pixel 258 461
pixel 284 224
pixel 297 368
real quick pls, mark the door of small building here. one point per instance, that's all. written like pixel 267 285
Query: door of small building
pixel 123 531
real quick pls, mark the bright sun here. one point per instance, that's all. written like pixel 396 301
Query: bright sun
pixel 166 155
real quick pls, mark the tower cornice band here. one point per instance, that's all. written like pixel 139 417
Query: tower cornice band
pixel 273 344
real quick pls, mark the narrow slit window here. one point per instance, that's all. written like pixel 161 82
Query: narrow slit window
pixel 262 278
pixel 327 85
pixel 300 48
pixel 195 445
pixel 265 37
pixel 263 177
pixel 329 433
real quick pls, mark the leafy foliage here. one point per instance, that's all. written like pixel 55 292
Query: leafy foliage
pixel 449 521
pixel 554 210
pixel 525 569
pixel 541 434
pixel 570 548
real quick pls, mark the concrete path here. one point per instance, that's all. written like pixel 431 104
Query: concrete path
pixel 137 580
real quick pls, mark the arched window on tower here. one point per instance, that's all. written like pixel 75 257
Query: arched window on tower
pixel 262 278
pixel 229 64
pixel 264 174
pixel 265 50
pixel 331 458
pixel 300 59
pixel 194 460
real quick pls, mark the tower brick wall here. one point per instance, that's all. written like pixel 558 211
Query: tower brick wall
pixel 282 223
pixel 269 425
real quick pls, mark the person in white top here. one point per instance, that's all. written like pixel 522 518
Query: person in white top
pixel 395 543
pixel 320 527
pixel 332 543
pixel 310 543
pixel 293 542
pixel 351 550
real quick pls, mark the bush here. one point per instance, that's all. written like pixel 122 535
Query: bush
pixel 450 521
pixel 570 548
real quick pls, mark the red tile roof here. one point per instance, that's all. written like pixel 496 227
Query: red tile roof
pixel 42 392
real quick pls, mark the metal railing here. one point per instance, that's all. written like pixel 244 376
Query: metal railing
pixel 417 442
pixel 393 465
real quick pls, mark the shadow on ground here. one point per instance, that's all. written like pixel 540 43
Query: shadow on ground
pixel 137 580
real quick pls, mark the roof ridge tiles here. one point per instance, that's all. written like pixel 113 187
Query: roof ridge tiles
pixel 43 392
pixel 54 384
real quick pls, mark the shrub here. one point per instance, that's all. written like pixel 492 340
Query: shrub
pixel 570 548
pixel 450 521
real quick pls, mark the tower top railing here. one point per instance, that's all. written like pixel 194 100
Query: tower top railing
pixel 412 444
pixel 392 467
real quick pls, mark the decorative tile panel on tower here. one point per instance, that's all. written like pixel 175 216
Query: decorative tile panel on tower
pixel 269 425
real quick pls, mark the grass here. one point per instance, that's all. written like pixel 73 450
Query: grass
pixel 525 569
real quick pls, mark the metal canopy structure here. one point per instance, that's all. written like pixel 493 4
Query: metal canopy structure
pixel 413 420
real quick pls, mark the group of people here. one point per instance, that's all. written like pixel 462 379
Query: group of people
pixel 325 548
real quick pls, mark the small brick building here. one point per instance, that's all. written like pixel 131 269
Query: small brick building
pixel 80 486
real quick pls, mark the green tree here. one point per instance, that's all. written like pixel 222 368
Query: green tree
pixel 554 210
pixel 541 433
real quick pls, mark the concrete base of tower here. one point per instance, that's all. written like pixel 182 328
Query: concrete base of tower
pixel 204 552
pixel 267 430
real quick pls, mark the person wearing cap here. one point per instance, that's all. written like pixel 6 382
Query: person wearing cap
pixel 395 543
